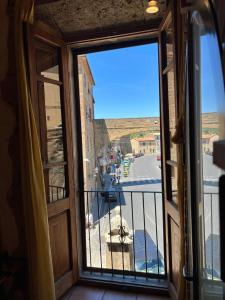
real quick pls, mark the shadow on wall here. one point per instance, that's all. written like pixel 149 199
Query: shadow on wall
pixel 125 144
pixel 102 141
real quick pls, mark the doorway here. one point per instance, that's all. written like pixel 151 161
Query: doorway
pixel 121 194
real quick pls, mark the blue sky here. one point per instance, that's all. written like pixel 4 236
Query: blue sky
pixel 212 89
pixel 126 82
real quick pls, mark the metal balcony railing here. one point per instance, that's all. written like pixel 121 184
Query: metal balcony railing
pixel 123 233
pixel 56 193
pixel 211 236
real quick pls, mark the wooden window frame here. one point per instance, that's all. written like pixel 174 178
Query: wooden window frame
pixel 42 124
pixel 66 207
pixel 96 48
pixel 166 68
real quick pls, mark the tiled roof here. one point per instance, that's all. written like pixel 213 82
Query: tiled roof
pixel 149 137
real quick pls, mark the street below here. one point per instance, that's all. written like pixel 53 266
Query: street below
pixel 139 199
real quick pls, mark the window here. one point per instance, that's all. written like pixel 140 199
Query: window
pixel 121 172
pixel 171 112
pixel 51 121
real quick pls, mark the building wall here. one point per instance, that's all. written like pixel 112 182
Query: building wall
pixel 86 83
pixel 207 142
pixel 52 96
pixel 146 147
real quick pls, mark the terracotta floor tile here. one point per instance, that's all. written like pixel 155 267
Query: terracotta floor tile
pixel 86 293
pixel 92 293
pixel 113 295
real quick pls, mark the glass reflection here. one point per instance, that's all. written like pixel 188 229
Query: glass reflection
pixel 212 129
pixel 47 62
pixel 169 44
pixel 54 122
pixel 57 187
pixel 172 129
pixel 172 112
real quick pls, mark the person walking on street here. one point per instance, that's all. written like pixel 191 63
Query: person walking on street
pixel 113 179
pixel 118 174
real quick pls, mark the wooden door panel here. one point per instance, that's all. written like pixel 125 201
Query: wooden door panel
pixel 175 251
pixel 60 244
pixel 170 157
pixel 62 205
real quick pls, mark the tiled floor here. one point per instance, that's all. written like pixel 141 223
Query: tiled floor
pixel 92 293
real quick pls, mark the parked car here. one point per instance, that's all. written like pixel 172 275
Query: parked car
pixel 126 163
pixel 129 157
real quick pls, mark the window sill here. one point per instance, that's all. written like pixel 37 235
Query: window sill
pixel 117 282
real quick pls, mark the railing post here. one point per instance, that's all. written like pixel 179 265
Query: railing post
pixel 99 234
pixel 156 231
pixel 132 216
pixel 143 207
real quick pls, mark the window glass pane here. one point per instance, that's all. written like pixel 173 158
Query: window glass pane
pixel 169 44
pixel 174 186
pixel 53 109
pixel 47 61
pixel 57 183
pixel 172 129
pixel 172 113
pixel 209 88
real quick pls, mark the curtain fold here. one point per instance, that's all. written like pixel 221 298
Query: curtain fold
pixel 41 279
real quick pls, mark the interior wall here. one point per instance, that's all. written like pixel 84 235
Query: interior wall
pixel 11 216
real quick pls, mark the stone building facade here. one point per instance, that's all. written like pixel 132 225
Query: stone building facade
pixel 86 83
pixel 207 142
pixel 146 145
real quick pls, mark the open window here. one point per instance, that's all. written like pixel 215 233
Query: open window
pixel 121 197
pixel 51 107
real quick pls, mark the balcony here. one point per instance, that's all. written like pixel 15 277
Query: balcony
pixel 123 234
pixel 210 236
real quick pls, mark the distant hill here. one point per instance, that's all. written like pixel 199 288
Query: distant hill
pixel 118 128
pixel 134 127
